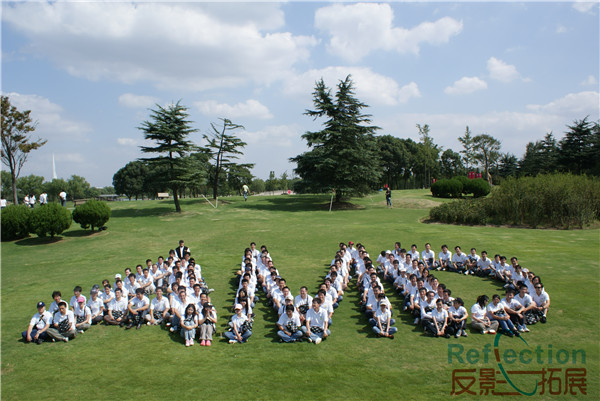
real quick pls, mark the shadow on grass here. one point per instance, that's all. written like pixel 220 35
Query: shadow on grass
pixel 145 212
pixel 80 233
pixel 39 241
pixel 304 203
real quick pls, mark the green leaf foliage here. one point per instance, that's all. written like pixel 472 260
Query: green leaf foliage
pixel 15 222
pixel 92 214
pixel 51 219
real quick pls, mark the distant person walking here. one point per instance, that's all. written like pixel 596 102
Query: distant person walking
pixel 43 198
pixel 63 198
pixel 388 197
pixel 245 191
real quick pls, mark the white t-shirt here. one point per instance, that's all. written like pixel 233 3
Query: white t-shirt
pixel 159 305
pixel 86 312
pixel 477 311
pixel 414 254
pixel 513 304
pixel 237 321
pixel 96 305
pixel 54 307
pixel 299 301
pixel 284 319
pixel 137 303
pixel 107 297
pixel 73 301
pixel 439 316
pixel 120 305
pixel 317 319
pixel 457 313
pixel 525 301
pixel 462 258
pixel 445 255
pixel 425 304
pixel 59 317
pixel 484 264
pixel 39 321
pixel 428 255
pixel 491 309
pixel 383 316
pixel 540 299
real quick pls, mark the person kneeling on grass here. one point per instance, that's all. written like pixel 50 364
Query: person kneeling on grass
pixel 189 323
pixel 383 317
pixel 440 319
pixel 317 319
pixel 289 325
pixel 479 318
pixel 240 331
pixel 83 316
pixel 63 324
pixel 39 325
pixel 496 311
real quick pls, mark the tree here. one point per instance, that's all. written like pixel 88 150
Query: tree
pixel 78 187
pixel 429 154
pixel 579 150
pixel 257 185
pixel 344 154
pixel 16 142
pixel 54 187
pixel 540 157
pixel 487 150
pixel 468 151
pixel 223 148
pixel 169 128
pixel 451 164
pixel 51 219
pixel 508 165
pixel 30 184
pixel 271 182
pixel 130 180
pixel 394 158
pixel 92 213
pixel 7 190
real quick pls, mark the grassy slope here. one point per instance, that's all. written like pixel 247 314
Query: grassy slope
pixel 302 238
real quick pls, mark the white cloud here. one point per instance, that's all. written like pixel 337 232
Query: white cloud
pixel 371 88
pixel 190 46
pixel 250 108
pixel 137 101
pixel 274 135
pixel 584 6
pixel 69 157
pixel 501 71
pixel 561 29
pixel 590 80
pixel 49 117
pixel 573 105
pixel 466 85
pixel 358 29
pixel 127 142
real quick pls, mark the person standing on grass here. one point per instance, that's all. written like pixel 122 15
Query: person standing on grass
pixel 245 191
pixel 63 198
pixel 479 319
pixel 316 328
pixel 63 324
pixel 388 197
pixel 38 325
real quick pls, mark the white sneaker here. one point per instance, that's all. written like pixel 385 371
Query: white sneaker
pixel 80 331
pixel 172 330
pixel 148 324
pixel 232 341
pixel 492 331
pixel 416 321
pixel 66 339
pixel 526 329
pixel 318 340
pixel 466 273
pixel 211 290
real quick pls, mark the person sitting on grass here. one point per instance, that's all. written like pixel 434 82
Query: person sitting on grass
pixel 484 266
pixel 76 294
pixel 445 259
pixel 428 256
pixel 107 296
pixel 427 307
pixel 38 325
pixel 303 301
pixel 63 324
pixel 96 305
pixel 147 282
pixel 316 324
pixel 83 316
pixel 479 318
pixel 459 261
pixel 240 331
pixel 401 281
pixel 207 321
pixel 383 321
pixel 472 260
pixel 496 311
pixel 503 271
pixel 289 325
pixel 542 302
pixel 159 309
pixel 138 307
pixel 527 304
pixel 178 306
pixel 410 293
pixel 457 318
pixel 513 308
pixel 440 319
pixel 189 323
pixel 57 297
pixel 117 310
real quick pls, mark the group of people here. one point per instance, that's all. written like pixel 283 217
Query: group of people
pixel 181 303
pixel 182 297
pixel 525 301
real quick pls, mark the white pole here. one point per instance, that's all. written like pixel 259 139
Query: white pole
pixel 209 201
pixel 331 202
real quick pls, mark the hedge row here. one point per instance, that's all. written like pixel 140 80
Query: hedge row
pixel 458 186
pixel 550 200
pixel 18 221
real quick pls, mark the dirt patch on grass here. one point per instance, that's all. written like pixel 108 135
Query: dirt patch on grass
pixel 342 206
pixel 413 203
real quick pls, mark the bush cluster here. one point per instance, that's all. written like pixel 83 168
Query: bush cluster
pixel 92 214
pixel 15 222
pixel 549 200
pixel 458 186
pixel 50 219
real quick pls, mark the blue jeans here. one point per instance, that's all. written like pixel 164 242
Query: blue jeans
pixel 188 334
pixel 506 325
pixel 391 330
pixel 231 335
pixel 43 335
pixel 313 336
pixel 295 336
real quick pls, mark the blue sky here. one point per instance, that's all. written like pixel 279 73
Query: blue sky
pixel 89 71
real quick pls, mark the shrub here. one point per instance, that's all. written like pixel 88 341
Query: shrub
pixel 15 222
pixel 50 219
pixel 445 188
pixel 92 214
pixel 478 187
pixel 550 200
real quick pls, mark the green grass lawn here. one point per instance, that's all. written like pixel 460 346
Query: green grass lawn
pixel 302 237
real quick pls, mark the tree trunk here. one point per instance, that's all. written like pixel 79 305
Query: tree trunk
pixel 216 186
pixel 338 196
pixel 14 186
pixel 176 200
